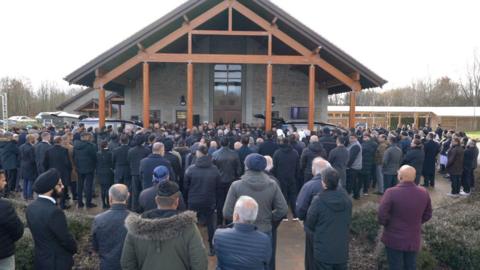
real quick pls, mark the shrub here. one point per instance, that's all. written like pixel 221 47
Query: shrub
pixel 425 258
pixel 24 251
pixel 364 222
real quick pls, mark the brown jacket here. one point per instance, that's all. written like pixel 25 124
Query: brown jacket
pixel 455 160
pixel 382 147
pixel 73 175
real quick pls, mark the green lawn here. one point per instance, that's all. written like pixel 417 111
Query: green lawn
pixel 474 134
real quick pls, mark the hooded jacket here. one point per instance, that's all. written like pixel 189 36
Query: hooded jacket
pixel 266 192
pixel 329 218
pixel 285 164
pixel 85 156
pixel 201 182
pixel 313 150
pixel 165 238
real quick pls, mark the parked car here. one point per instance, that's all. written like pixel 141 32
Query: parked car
pixel 22 119
pixel 299 124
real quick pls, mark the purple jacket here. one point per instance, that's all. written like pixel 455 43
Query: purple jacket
pixel 403 210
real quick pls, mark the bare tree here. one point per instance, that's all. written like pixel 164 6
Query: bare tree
pixel 471 85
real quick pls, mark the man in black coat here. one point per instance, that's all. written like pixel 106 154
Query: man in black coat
pixel 338 158
pixel 286 169
pixel 415 157
pixel 269 146
pixel 431 149
pixel 228 163
pixel 314 149
pixel 28 166
pixel 148 164
pixel 40 150
pixel 328 219
pixel 111 222
pixel 54 244
pixel 104 172
pixel 120 162
pixel 85 158
pixel 455 166
pixel 174 160
pixel 134 156
pixel 470 156
pixel 327 140
pixel 57 157
pixel 11 229
pixel 202 182
pixel 9 157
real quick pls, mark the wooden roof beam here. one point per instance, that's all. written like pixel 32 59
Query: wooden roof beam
pixel 228 59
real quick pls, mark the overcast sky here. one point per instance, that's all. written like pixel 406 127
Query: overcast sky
pixel 402 41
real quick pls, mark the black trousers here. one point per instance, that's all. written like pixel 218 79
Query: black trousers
pixel 429 180
pixel 417 179
pixel 389 181
pixel 456 183
pixel 11 180
pixel 85 182
pixel 327 266
pixel 401 260
pixel 365 179
pixel 289 191
pixel 106 181
pixel 206 215
pixel 221 196
pixel 309 259
pixel 467 178
pixel 135 189
pixel 353 183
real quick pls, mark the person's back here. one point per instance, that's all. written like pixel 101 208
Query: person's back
pixel 392 160
pixel 328 219
pixel 85 155
pixel 268 147
pixel 403 209
pixel 327 141
pixel 148 164
pixel 228 162
pixel 164 237
pixel 201 182
pixel 243 246
pixel 313 150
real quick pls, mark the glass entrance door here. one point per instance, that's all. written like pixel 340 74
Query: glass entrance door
pixel 227 98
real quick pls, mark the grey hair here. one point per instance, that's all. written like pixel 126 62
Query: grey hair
pixel 314 138
pixel 319 165
pixel 157 147
pixel 269 163
pixel 247 209
pixel 118 193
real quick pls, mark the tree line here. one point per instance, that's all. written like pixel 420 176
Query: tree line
pixel 23 99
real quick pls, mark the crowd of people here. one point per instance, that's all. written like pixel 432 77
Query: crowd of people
pixel 156 185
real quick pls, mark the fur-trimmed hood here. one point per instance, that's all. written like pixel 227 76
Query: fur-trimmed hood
pixel 160 229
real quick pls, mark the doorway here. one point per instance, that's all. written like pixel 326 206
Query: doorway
pixel 227 97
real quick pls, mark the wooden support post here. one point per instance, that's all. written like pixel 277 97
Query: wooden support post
pixel 189 95
pixel 400 120
pixel 353 103
pixel 311 98
pixel 230 19
pixel 146 95
pixel 190 43
pixel 101 107
pixel 268 99
pixel 270 46
pixel 417 124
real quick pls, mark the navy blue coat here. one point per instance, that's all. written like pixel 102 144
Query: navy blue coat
pixel 242 247
pixel 11 229
pixel 57 157
pixel 54 244
pixel 431 149
pixel 28 166
pixel 40 151
pixel 85 156
pixel 9 155
pixel 108 224
pixel 306 194
pixel 148 164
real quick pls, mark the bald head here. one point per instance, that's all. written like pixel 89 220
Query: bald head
pixel 118 193
pixel 319 165
pixel 158 148
pixel 406 174
pixel 314 138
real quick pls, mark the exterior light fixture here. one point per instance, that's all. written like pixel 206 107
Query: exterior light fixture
pixel 183 102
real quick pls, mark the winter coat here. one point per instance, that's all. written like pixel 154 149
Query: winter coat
pixel 202 183
pixel 382 147
pixel 28 166
pixel 105 164
pixel 165 238
pixel 445 146
pixel 106 224
pixel 455 160
pixel 11 229
pixel 147 200
pixel 242 247
pixel 148 164
pixel 354 156
pixel 469 158
pixel 285 165
pixel 369 149
pixel 306 194
pixel 313 150
pixel 120 157
pixel 403 209
pixel 243 152
pixel 404 144
pixel 134 156
pixel 57 157
pixel 176 165
pixel 266 192
pixel 9 155
pixel 431 149
pixel 40 150
pixel 391 160
pixel 328 219
pixel 228 162
pixel 328 142
pixel 267 148
pixel 54 244
pixel 415 157
pixel 85 156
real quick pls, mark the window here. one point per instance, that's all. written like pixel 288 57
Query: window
pixel 299 113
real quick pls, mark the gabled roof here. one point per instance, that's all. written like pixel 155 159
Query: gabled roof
pixel 74 98
pixel 85 75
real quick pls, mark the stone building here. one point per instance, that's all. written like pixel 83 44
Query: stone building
pixel 212 60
